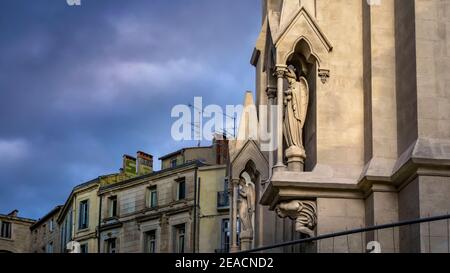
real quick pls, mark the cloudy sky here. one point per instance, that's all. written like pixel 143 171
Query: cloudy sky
pixel 81 86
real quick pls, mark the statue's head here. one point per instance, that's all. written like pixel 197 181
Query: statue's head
pixel 291 73
pixel 242 182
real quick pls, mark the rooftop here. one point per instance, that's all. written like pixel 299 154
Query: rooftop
pixel 182 150
pixel 193 163
pixel 13 216
pixel 46 217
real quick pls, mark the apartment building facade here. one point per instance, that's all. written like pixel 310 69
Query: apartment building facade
pixel 79 217
pixel 179 209
pixel 182 208
pixel 45 234
pixel 15 233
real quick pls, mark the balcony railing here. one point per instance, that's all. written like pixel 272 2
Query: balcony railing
pixel 222 250
pixel 223 200
pixel 384 238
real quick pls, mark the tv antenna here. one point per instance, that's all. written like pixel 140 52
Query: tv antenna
pixel 197 125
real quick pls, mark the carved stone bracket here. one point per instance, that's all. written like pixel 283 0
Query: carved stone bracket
pixel 324 75
pixel 303 212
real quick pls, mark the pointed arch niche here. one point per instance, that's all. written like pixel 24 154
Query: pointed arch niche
pixel 251 164
pixel 305 63
pixel 303 45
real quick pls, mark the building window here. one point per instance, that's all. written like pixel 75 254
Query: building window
pixel 84 248
pixel 152 197
pixel 173 163
pixel 181 189
pixel 112 206
pixel 49 248
pixel 5 230
pixel 83 221
pixel 63 238
pixel 179 238
pixel 111 245
pixel 51 225
pixel 225 184
pixel 223 199
pixel 150 241
pixel 66 231
pixel 225 237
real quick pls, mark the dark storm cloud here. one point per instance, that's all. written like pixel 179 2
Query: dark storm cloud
pixel 80 86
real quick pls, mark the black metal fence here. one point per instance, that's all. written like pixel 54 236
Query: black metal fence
pixel 424 235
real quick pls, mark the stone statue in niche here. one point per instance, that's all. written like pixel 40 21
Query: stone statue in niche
pixel 296 99
pixel 246 207
pixel 303 212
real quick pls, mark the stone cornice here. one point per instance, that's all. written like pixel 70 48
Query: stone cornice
pixel 213 167
pixel 18 220
pixel 424 158
pixel 105 227
pixel 81 237
pixel 166 210
pixel 414 161
pixel 281 190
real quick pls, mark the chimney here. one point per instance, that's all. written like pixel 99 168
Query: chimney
pixel 13 213
pixel 144 163
pixel 129 165
pixel 220 144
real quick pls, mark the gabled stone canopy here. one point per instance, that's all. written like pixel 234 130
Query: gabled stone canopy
pixel 302 26
pixel 250 152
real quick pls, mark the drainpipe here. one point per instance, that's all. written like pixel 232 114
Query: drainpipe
pixel 198 214
pixel 232 205
pixel 99 223
pixel 194 244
